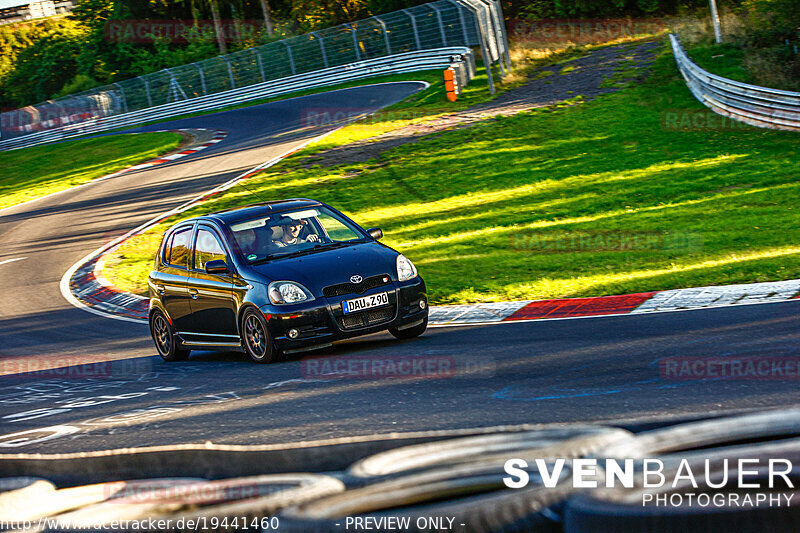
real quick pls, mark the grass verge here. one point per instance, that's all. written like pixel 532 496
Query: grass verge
pixel 33 172
pixel 599 198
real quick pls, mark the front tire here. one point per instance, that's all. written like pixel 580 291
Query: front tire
pixel 256 340
pixel 166 344
pixel 410 333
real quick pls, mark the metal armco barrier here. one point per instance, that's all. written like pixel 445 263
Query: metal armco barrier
pixel 758 106
pixel 397 64
pixel 422 29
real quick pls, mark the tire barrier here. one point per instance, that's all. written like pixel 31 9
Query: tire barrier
pixel 242 498
pixel 62 500
pixel 215 461
pixel 18 493
pixel 571 441
pixel 473 495
pixel 712 448
pixel 432 480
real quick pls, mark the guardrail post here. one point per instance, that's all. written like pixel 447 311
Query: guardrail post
pixel 260 64
pixel 503 33
pixel 413 27
pixel 487 60
pixel 291 57
pixel 441 23
pixel 202 78
pixel 147 91
pixel 124 100
pixel 494 28
pixel 355 41
pixel 321 47
pixel 385 36
pixel 712 4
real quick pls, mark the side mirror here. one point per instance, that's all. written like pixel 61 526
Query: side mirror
pixel 217 266
pixel 375 233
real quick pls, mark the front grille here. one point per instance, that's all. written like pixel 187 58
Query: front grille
pixel 367 318
pixel 356 288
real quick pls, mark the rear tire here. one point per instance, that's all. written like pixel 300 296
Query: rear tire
pixel 410 333
pixel 256 340
pixel 164 337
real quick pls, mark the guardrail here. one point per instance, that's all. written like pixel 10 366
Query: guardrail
pixel 460 58
pixel 435 25
pixel 758 106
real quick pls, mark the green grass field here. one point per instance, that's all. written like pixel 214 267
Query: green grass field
pixel 604 197
pixel 32 172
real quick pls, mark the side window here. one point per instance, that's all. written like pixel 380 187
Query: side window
pixel 207 248
pixel 336 229
pixel 176 252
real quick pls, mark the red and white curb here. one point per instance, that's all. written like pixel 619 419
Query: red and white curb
pixel 626 304
pixel 218 135
pixel 88 285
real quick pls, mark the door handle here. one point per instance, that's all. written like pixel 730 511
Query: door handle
pixel 193 293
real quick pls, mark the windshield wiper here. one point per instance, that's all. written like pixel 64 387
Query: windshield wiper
pixel 306 251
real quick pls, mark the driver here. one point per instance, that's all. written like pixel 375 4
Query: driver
pixel 291 233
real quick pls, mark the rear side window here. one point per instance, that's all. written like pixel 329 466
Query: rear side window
pixel 178 249
pixel 207 248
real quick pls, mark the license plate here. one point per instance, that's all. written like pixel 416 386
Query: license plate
pixel 366 302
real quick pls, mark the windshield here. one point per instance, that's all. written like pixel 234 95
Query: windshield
pixel 293 232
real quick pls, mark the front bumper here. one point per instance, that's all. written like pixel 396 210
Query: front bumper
pixel 322 321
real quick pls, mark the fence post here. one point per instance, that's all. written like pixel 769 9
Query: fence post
pixel 463 22
pixel 385 36
pixel 124 100
pixel 441 24
pixel 202 78
pixel 147 91
pixel 291 57
pixel 414 27
pixel 355 41
pixel 322 48
pixel 227 61
pixel 260 64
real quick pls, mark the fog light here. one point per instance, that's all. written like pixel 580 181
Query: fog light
pixel 422 304
pixel 293 333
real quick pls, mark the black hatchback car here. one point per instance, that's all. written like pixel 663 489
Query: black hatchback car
pixel 279 277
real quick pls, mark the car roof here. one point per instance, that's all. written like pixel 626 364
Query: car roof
pixel 230 216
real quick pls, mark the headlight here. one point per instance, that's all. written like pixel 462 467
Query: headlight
pixel 405 268
pixel 288 292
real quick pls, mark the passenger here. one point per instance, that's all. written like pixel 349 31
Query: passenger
pixel 291 233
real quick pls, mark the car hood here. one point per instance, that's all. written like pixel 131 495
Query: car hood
pixel 330 267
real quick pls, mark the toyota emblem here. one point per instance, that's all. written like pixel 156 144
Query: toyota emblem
pixel 356 278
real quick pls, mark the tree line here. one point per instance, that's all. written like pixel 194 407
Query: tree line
pixel 44 59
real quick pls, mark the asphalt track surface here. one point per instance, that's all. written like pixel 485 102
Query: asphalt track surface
pixel 613 369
